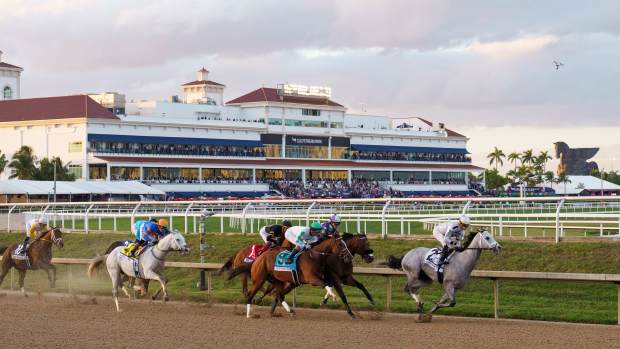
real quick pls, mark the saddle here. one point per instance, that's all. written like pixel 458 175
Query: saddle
pixel 432 260
pixel 132 250
pixel 254 253
pixel 282 265
pixel 19 255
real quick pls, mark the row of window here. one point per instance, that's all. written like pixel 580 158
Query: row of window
pixel 305 123
pixel 7 93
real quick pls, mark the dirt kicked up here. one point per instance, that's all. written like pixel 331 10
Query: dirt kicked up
pixel 54 321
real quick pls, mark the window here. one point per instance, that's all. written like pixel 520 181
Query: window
pixel 274 121
pixel 291 122
pixel 311 112
pixel 75 170
pixel 75 147
pixel 7 93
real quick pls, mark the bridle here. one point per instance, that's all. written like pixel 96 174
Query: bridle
pixel 52 236
pixel 163 251
pixel 346 249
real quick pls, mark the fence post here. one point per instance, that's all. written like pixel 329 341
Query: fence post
pixel 186 213
pixel 466 207
pixel 557 221
pixel 388 292
pixel 222 222
pixel 203 245
pixel 308 212
pixel 86 218
pixel 8 219
pixel 618 285
pixel 114 223
pixel 243 225
pixel 501 226
pixel 402 226
pixel 496 298
pixel 384 228
pixel 132 220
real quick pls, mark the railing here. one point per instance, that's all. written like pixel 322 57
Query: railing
pixel 388 274
pixel 596 216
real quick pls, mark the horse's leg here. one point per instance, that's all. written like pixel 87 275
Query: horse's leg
pixel 343 298
pixel 5 270
pixel 257 283
pixel 448 299
pixel 350 281
pixel 265 293
pixel 22 276
pixel 287 288
pixel 413 292
pixel 162 280
pixel 244 284
pixel 51 274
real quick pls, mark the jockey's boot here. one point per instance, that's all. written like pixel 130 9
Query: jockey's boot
pixel 291 257
pixel 25 246
pixel 445 252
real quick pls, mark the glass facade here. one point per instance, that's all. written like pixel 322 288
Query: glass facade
pixel 170 174
pixel 449 178
pixel 273 150
pixel 270 175
pixel 97 171
pixel 381 176
pixel 306 152
pixel 227 174
pixel 121 173
pixel 174 149
pixel 411 177
pixel 316 175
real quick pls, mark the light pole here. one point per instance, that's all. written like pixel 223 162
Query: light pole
pixel 601 177
pixel 54 162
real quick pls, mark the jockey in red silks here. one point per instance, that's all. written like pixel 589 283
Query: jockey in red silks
pixel 273 235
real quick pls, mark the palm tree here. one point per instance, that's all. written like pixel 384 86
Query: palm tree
pixel 548 177
pixel 23 163
pixel 45 172
pixel 496 157
pixel 3 162
pixel 527 157
pixel 513 158
pixel 544 156
pixel 563 178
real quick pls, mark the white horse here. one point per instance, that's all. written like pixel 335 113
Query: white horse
pixel 456 271
pixel 150 264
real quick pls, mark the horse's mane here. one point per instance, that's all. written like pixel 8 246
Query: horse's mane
pixel 469 238
pixel 347 236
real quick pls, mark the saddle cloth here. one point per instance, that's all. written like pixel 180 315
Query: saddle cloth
pixel 129 246
pixel 250 258
pixel 281 265
pixel 19 256
pixel 432 259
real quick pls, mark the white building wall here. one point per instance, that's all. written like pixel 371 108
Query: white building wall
pixel 10 78
pixel 46 140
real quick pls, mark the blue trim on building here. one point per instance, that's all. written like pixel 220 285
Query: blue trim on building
pixel 237 194
pixel 171 140
pixel 397 149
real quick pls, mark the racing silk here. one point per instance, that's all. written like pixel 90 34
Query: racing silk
pixel 149 231
pixel 36 229
pixel 300 237
pixel 270 230
pixel 449 234
pixel 328 230
pixel 137 227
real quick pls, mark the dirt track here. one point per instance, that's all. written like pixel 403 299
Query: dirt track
pixel 55 322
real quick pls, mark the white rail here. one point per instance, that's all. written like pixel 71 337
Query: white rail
pixel 592 216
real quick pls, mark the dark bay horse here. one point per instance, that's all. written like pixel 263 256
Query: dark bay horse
pixel 356 244
pixel 313 267
pixel 39 257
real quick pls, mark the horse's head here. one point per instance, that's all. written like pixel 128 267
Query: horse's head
pixel 560 148
pixel 359 244
pixel 485 240
pixel 55 236
pixel 337 246
pixel 176 242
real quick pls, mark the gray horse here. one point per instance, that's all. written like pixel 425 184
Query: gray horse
pixel 456 271
pixel 151 264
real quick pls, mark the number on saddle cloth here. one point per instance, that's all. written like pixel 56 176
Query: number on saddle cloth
pixel 432 259
pixel 281 261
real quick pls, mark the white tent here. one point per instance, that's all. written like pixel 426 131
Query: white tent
pixel 578 184
pixel 25 187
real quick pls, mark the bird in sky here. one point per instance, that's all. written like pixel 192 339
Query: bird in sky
pixel 557 65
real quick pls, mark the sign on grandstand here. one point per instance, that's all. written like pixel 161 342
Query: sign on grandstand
pixel 303 90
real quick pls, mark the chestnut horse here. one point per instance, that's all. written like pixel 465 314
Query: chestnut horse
pixel 314 267
pixel 40 257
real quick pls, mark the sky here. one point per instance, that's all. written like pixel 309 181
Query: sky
pixel 484 68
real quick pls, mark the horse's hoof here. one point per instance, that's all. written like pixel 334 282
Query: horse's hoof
pixel 166 299
pixel 276 315
pixel 424 318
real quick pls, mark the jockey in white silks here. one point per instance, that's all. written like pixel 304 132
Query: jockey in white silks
pixel 451 235
pixel 302 238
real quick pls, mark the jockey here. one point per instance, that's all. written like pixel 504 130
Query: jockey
pixel 302 238
pixel 272 235
pixel 148 232
pixel 34 228
pixel 330 227
pixel 451 234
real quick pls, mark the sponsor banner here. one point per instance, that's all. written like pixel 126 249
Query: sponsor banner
pixel 341 142
pixel 271 139
pixel 307 141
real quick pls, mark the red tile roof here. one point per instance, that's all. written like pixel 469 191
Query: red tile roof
pixel 6 65
pixel 203 82
pixel 291 162
pixel 48 108
pixel 266 94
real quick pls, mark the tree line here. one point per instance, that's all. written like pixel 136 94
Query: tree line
pixel 25 165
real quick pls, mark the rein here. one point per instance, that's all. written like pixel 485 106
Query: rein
pixel 54 239
pixel 154 255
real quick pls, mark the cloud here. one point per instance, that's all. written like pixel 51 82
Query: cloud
pixel 513 48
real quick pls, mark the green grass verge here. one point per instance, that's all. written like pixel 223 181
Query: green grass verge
pixel 559 301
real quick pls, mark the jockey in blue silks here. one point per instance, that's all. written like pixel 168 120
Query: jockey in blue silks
pixel 149 231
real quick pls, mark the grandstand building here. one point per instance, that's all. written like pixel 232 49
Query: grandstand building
pixel 289 138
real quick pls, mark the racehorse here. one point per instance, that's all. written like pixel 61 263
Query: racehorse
pixel 456 272
pixel 313 267
pixel 150 263
pixel 140 285
pixel 39 257
pixel 355 244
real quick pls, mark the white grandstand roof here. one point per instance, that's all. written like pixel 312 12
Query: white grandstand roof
pixel 77 187
pixel 580 183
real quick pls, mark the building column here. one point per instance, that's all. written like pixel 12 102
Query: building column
pixel 303 176
pixel 108 173
pixel 391 176
pixel 430 177
pixel 349 177
pixel 283 155
pixel 329 147
pixel 141 173
pixel 254 175
pixel 200 174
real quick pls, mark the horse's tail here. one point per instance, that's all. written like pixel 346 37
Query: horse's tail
pixel 227 266
pixel 394 262
pixel 244 268
pixel 95 263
